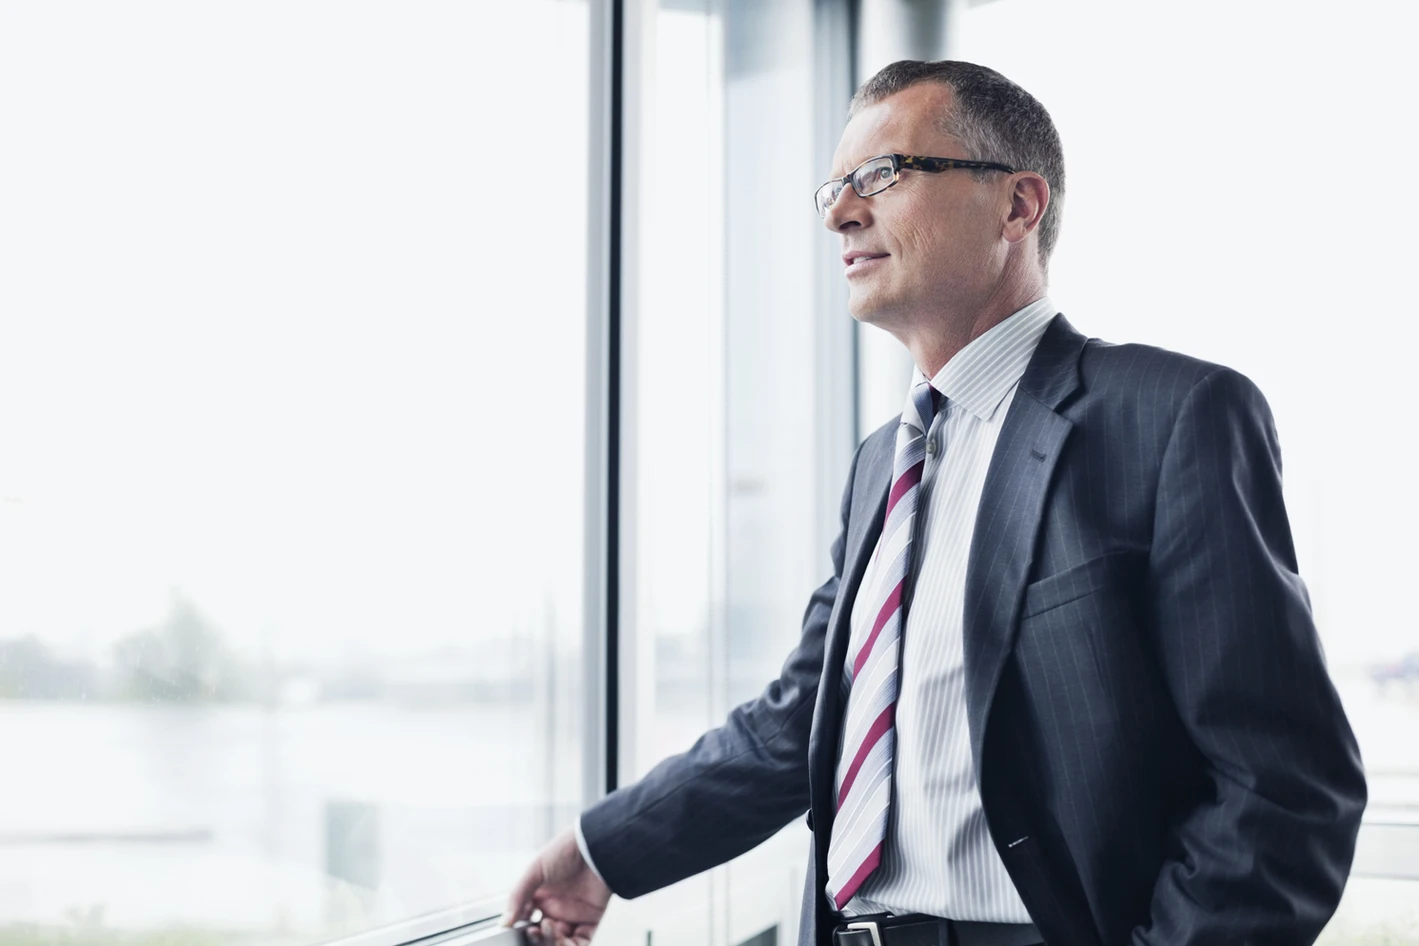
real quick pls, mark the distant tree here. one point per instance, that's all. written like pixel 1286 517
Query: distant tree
pixel 30 670
pixel 182 660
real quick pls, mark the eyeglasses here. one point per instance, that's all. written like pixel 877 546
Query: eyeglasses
pixel 875 175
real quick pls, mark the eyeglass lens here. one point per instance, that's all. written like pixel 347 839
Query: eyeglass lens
pixel 873 177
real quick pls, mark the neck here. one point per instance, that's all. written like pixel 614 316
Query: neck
pixel 940 335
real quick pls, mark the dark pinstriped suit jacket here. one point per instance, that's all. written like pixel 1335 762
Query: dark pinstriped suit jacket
pixel 1162 756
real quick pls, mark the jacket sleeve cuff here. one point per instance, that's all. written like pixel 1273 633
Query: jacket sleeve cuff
pixel 586 852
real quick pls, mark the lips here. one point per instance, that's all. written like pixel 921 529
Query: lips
pixel 859 261
pixel 857 257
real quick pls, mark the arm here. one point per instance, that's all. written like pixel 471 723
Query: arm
pixel 1265 857
pixel 734 788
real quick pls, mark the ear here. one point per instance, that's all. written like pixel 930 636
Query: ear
pixel 1029 198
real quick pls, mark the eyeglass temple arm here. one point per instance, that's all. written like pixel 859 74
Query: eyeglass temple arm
pixel 946 164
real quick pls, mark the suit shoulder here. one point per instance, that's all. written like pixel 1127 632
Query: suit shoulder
pixel 1159 374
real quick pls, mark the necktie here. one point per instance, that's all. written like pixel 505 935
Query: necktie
pixel 864 774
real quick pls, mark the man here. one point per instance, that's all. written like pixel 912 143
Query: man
pixel 1064 685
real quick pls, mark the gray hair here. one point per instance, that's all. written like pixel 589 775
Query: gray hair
pixel 993 118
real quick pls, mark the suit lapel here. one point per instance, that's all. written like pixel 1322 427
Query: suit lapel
pixel 1008 521
pixel 869 505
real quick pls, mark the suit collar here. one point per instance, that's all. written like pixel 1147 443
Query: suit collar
pixel 979 376
pixel 1053 373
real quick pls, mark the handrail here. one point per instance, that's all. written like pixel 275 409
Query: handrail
pixel 1387 849
pixel 471 922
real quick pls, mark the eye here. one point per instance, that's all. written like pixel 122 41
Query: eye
pixel 884 174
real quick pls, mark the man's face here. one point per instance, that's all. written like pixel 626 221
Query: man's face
pixel 930 243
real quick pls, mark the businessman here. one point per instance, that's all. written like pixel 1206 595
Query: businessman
pixel 1064 685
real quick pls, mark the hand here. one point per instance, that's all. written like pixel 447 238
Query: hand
pixel 567 891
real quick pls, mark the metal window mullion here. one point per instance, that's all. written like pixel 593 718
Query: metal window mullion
pixel 836 358
pixel 601 599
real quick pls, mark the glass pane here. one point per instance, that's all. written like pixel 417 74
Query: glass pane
pixel 773 333
pixel 724 349
pixel 674 389
pixel 722 434
pixel 782 474
pixel 291 494
pixel 678 384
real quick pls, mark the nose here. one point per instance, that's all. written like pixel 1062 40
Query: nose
pixel 848 210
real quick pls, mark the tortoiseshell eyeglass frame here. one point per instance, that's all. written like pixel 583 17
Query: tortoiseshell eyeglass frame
pixel 827 194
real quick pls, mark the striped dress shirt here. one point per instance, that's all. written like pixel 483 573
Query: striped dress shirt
pixel 938 857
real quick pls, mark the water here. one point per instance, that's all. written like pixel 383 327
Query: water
pixel 300 823
pixel 320 819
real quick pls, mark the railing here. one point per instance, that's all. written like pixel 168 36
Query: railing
pixel 1388 850
pixel 471 923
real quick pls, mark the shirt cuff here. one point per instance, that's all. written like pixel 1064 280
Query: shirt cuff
pixel 586 854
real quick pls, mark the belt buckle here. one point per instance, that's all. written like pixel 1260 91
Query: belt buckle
pixel 871 926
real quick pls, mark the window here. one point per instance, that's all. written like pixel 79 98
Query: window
pixel 738 425
pixel 293 322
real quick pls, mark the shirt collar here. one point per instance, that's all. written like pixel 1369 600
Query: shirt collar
pixel 980 375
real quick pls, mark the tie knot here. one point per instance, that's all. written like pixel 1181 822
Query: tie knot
pixel 927 401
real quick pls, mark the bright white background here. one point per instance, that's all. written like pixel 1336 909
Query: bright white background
pixel 1238 187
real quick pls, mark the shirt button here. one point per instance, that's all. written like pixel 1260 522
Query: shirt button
pixel 931 446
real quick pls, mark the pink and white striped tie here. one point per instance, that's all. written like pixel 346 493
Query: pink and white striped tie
pixel 864 774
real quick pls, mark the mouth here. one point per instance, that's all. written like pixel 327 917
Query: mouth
pixel 854 263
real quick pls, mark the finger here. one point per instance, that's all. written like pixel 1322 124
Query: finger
pixel 573 909
pixel 517 912
pixel 519 902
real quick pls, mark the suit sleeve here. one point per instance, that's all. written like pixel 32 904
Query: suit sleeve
pixel 1264 859
pixel 732 790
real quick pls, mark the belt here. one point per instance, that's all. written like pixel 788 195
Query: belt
pixel 918 929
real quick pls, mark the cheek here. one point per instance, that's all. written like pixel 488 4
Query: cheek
pixel 934 243
pixel 966 238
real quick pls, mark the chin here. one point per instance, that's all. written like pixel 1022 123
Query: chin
pixel 861 305
pixel 869 310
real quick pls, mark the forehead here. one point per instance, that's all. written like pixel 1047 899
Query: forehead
pixel 906 122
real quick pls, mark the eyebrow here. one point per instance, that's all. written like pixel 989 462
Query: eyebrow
pixel 854 164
